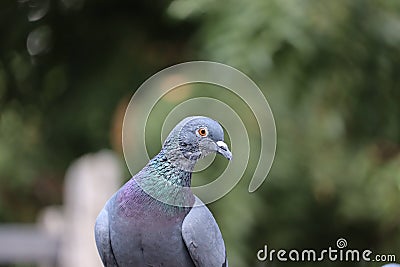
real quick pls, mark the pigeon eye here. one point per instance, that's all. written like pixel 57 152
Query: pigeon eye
pixel 203 132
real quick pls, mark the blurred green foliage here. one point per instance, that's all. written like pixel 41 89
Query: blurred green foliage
pixel 329 70
pixel 60 89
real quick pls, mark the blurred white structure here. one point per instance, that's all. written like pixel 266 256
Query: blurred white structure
pixel 89 183
pixel 64 236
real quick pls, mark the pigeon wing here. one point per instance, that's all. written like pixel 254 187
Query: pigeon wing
pixel 103 242
pixel 203 238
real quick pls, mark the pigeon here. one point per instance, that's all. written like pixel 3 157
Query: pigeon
pixel 155 219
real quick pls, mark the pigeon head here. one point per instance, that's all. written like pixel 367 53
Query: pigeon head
pixel 196 137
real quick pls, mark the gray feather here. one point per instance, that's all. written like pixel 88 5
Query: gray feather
pixel 203 237
pixel 154 219
pixel 103 242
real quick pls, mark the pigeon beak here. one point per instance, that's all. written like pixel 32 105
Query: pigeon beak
pixel 224 150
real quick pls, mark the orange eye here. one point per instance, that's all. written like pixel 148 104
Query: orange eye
pixel 202 132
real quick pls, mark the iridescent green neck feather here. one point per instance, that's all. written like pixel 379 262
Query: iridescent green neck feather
pixel 166 181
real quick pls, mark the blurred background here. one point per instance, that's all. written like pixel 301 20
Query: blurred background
pixel 328 69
